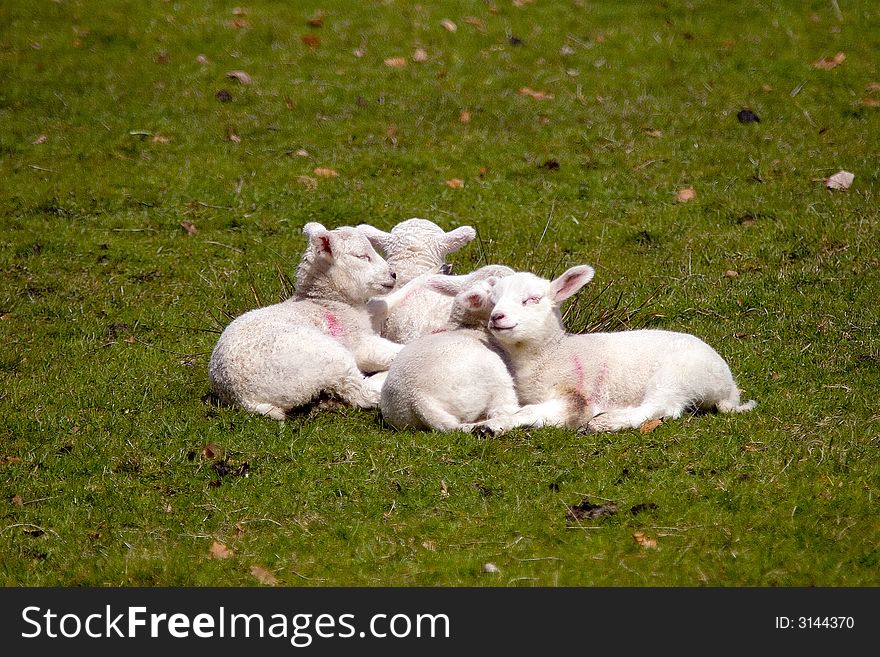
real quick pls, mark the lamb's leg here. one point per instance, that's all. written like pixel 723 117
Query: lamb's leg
pixel 438 418
pixel 267 410
pixel 374 353
pixel 633 417
pixel 359 390
pixel 551 413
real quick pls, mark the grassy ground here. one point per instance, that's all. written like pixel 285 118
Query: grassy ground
pixel 114 136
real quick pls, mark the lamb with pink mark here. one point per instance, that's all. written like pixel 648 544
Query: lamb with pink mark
pixel 274 359
pixel 599 381
pixel 415 249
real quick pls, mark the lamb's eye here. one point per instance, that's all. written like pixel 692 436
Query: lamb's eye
pixel 365 256
pixel 531 300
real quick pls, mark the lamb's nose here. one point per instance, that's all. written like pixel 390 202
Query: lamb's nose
pixel 497 317
pixel 394 276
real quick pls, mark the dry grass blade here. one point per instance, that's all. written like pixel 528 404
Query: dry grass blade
pixel 587 315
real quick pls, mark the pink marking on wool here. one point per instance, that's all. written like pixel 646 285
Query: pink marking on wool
pixel 333 326
pixel 578 373
pixel 599 381
pixel 438 330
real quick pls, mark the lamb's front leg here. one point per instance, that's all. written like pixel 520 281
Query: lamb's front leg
pixel 552 413
pixel 380 307
pixel 374 353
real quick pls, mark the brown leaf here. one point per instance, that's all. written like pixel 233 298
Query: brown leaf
pixel 232 136
pixel 448 25
pixel 872 87
pixel 766 88
pixel 6 317
pixel 420 55
pixel 490 567
pixel 731 273
pixel 17 501
pixel 264 576
pixel 359 52
pixel 324 172
pixel 9 459
pixel 288 103
pixel 444 488
pixel 160 139
pixel 686 194
pixel 653 132
pixel 317 20
pixel 237 24
pixel 162 57
pixel 189 227
pixel 239 11
pixel 649 425
pixel 753 447
pixel 586 510
pixel 429 545
pixel 827 63
pixel 202 59
pixel 42 139
pixel 311 40
pixel 870 102
pixel 239 529
pixel 396 62
pixel 301 152
pixel 840 180
pixel 307 181
pixel 455 183
pixel 129 339
pixel 644 541
pixel 241 76
pixel 212 451
pixel 219 551
pixel 464 117
pixel 537 95
pixel 476 22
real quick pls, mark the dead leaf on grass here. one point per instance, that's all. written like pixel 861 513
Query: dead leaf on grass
pixel 264 576
pixel 396 62
pixel 189 227
pixel 202 59
pixel 420 55
pixel 840 180
pixel 17 501
pixel 232 136
pixel 649 425
pixel 9 459
pixel 828 63
pixel 237 23
pixel 870 102
pixel 537 95
pixel 475 22
pixel 685 195
pixel 325 172
pixel 753 447
pixel 448 25
pixel 645 541
pixel 731 273
pixel 444 488
pixel 212 451
pixel 307 181
pixel 464 117
pixel 311 40
pixel 42 139
pixel 301 152
pixel 317 20
pixel 219 551
pixel 455 183
pixel 653 132
pixel 429 545
pixel 241 76
pixel 490 568
pixel 872 87
pixel 161 139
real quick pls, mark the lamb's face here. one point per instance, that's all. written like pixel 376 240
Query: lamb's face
pixel 522 308
pixel 357 269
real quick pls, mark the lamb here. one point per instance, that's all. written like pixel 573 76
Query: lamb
pixel 458 376
pixel 280 357
pixel 415 249
pixel 600 381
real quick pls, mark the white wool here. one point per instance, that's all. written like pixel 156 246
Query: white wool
pixel 280 357
pixel 599 381
pixel 415 249
pixel 448 379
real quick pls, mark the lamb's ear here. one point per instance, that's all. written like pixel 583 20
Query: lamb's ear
pixel 320 238
pixel 378 238
pixel 448 286
pixel 569 283
pixel 477 297
pixel 455 239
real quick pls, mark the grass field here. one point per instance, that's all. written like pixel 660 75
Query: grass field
pixel 146 198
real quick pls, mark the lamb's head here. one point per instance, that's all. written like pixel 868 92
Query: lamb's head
pixel 342 264
pixel 417 246
pixel 526 307
pixel 471 305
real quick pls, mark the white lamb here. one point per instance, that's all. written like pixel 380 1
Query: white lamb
pixel 599 381
pixel 280 357
pixel 415 249
pixel 451 378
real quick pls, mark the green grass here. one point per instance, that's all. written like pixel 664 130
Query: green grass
pixel 110 308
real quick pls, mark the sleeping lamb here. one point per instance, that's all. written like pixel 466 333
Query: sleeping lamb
pixel 599 381
pixel 280 357
pixel 415 249
pixel 456 376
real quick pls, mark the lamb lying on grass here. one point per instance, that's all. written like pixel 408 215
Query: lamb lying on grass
pixel 599 381
pixel 415 249
pixel 281 357
pixel 445 380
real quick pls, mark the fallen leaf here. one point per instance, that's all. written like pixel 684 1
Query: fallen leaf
pixel 685 195
pixel 160 139
pixel 301 152
pixel 455 183
pixel 429 545
pixel 311 40
pixel 130 339
pixel 17 501
pixel 870 102
pixel 589 511
pixel 219 551
pixel 872 87
pixel 241 76
pixel 6 317
pixel 649 425
pixel 653 132
pixel 483 171
pixel 239 529
pixel 753 447
pixel 476 22
pixel 264 576
pixel 464 117
pixel 162 57
pixel 396 62
pixel 202 59
pixel 522 3
pixel 288 103
pixel 444 488
pixel 490 568
pixel 747 116
pixel 9 459
pixel 766 88
pixel 189 227
pixel 237 24
pixel 42 139
pixel 566 50
pixel 448 25
pixel 420 55
pixel 644 541
pixel 317 20
pixel 223 96
pixel 827 63
pixel 239 11
pixel 731 273
pixel 359 52
pixel 307 182
pixel 324 172
pixel 232 136
pixel 840 180
pixel 537 95
pixel 212 451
